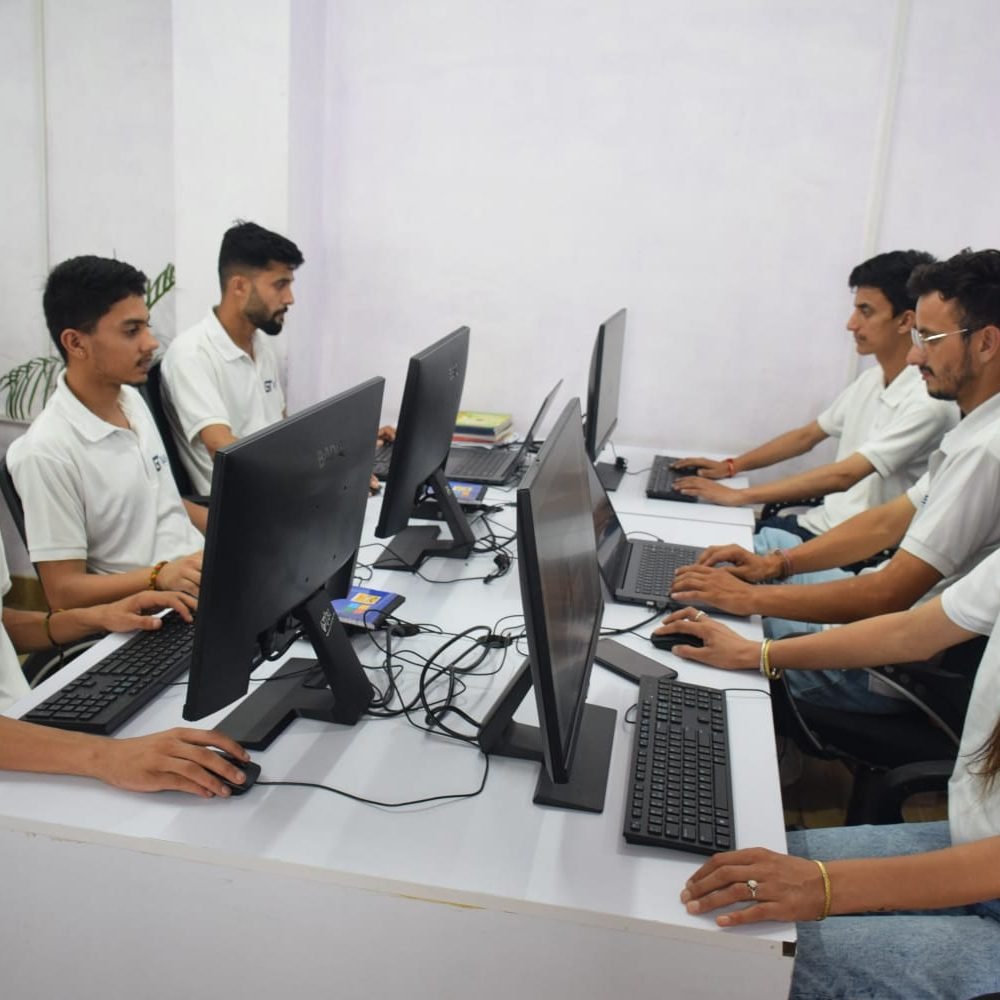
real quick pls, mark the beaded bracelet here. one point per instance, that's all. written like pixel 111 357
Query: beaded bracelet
pixel 771 673
pixel 155 573
pixel 827 894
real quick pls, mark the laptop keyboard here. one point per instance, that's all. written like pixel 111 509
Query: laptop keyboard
pixel 679 790
pixel 660 485
pixel 658 563
pixel 480 463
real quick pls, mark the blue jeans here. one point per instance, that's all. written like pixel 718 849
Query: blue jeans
pixel 789 523
pixel 932 954
pixel 847 689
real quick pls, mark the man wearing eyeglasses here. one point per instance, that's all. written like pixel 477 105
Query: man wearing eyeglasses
pixel 885 422
pixel 944 525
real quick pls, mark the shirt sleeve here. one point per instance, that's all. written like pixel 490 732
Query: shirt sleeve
pixel 958 518
pixel 833 418
pixel 915 431
pixel 192 391
pixel 973 603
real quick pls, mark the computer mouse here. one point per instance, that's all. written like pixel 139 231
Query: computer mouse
pixel 249 768
pixel 668 641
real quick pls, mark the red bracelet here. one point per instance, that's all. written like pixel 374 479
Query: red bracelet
pixel 731 467
pixel 155 573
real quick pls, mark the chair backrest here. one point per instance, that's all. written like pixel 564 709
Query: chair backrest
pixel 12 499
pixel 152 393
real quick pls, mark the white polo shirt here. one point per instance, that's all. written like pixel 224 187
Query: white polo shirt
pixel 974 604
pixel 97 492
pixel 208 380
pixel 957 501
pixel 896 427
pixel 12 681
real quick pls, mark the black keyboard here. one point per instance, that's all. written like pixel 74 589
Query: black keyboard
pixel 679 791
pixel 106 695
pixel 660 485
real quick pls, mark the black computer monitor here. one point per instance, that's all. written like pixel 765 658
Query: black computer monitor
pixel 561 595
pixel 284 525
pixel 602 395
pixel 431 400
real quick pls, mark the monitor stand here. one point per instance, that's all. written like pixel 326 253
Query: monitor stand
pixel 331 688
pixel 610 475
pixel 587 782
pixel 408 549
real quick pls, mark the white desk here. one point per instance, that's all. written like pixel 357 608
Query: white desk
pixel 292 890
pixel 630 497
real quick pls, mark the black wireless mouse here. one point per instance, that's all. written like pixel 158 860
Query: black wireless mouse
pixel 675 639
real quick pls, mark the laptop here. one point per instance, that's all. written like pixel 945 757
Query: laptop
pixel 636 571
pixel 495 466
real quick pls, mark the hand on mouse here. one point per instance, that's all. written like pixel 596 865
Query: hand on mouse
pixel 177 760
pixel 722 646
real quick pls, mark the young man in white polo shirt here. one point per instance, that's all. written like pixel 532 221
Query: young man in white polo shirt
pixel 886 422
pixel 944 525
pixel 221 378
pixel 178 760
pixel 102 514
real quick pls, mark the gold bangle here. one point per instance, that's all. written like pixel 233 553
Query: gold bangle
pixel 154 574
pixel 768 671
pixel 48 626
pixel 827 894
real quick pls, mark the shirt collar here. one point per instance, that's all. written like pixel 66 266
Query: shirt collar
pixel 222 342
pixel 87 423
pixel 895 392
pixel 981 422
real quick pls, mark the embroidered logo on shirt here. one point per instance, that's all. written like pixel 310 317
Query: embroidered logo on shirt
pixel 268 384
pixel 159 462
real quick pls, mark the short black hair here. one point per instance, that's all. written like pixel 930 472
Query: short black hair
pixel 79 291
pixel 247 246
pixel 971 278
pixel 889 273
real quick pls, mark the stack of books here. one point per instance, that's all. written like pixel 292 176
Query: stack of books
pixel 477 427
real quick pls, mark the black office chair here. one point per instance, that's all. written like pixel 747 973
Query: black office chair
pixel 891 757
pixel 13 501
pixel 152 392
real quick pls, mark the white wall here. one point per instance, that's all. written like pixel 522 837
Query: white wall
pixel 528 168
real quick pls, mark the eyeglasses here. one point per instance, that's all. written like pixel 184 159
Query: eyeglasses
pixel 921 340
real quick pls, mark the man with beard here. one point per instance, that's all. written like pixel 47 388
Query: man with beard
pixel 944 525
pixel 102 514
pixel 221 378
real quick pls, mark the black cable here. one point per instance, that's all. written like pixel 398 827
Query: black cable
pixel 631 628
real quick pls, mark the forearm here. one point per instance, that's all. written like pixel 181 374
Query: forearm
pixel 846 600
pixel 855 539
pixel 814 483
pixel 80 590
pixel 968 873
pixel 198 515
pixel 43 749
pixel 896 638
pixel 28 630
pixel 784 446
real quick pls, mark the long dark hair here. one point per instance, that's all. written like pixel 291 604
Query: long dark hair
pixel 988 757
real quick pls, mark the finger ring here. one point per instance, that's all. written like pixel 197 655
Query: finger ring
pixel 753 885
pixel 699 616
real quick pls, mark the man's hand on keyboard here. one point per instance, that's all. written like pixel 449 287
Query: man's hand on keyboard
pixel 707 467
pixel 785 887
pixel 176 760
pixel 181 574
pixel 386 435
pixel 710 492
pixel 137 610
pixel 707 585
pixel 722 646
pixel 743 564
